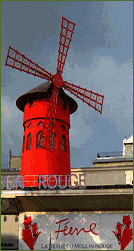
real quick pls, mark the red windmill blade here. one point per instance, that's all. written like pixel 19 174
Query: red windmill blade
pixel 93 99
pixel 47 136
pixel 67 30
pixel 18 61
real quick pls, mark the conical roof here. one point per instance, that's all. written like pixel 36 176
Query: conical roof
pixel 43 91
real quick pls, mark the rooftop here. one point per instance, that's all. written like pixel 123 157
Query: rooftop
pixel 43 91
pixel 129 141
pixel 117 156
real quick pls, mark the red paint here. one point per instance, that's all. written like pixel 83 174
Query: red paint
pixel 39 161
pixel 71 230
pixel 30 66
pixel 58 80
pixel 67 30
pixel 30 233
pixel 123 232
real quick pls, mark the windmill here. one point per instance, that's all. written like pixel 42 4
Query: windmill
pixel 18 61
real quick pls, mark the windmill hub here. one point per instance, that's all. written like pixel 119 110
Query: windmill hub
pixel 58 80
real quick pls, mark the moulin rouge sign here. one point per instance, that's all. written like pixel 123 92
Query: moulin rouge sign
pixel 30 232
pixel 92 234
pixel 45 181
pixel 70 231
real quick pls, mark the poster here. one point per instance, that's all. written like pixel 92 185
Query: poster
pixel 76 230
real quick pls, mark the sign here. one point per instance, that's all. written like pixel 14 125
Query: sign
pixel 77 230
pixel 43 181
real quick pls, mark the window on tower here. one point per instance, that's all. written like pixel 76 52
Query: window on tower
pixel 40 140
pixel 52 124
pixel 40 124
pixel 23 147
pixel 52 140
pixel 29 141
pixel 68 146
pixel 63 127
pixel 63 143
pixel 64 105
pixel 30 125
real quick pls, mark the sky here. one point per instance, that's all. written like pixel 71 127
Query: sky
pixel 100 58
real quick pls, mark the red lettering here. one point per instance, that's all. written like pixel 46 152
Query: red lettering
pixel 91 229
pixel 65 228
pixel 71 231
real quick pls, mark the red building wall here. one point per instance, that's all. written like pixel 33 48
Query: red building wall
pixel 39 161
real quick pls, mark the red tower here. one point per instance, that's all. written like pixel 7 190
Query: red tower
pixel 47 110
pixel 36 159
